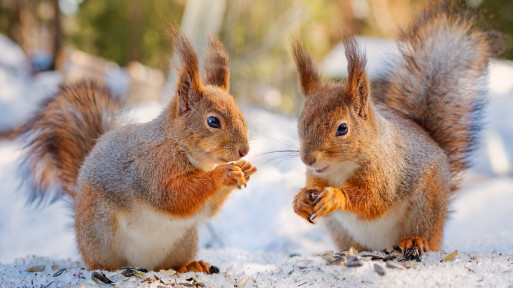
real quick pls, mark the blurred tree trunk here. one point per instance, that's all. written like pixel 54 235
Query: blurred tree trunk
pixel 134 45
pixel 57 37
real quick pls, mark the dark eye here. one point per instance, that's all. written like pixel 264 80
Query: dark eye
pixel 342 130
pixel 214 122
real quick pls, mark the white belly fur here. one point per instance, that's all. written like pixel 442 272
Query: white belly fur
pixel 146 237
pixel 375 234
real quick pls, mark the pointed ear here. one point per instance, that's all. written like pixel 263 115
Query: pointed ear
pixel 357 88
pixel 189 85
pixel 309 77
pixel 217 69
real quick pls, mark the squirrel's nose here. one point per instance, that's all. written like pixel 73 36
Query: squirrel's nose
pixel 308 159
pixel 243 151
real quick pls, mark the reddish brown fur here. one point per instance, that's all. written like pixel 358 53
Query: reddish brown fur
pixel 398 162
pixel 216 65
pixel 54 158
pixel 143 188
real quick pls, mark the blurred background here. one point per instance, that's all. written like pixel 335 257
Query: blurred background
pixel 123 43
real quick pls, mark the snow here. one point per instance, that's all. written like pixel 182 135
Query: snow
pixel 256 233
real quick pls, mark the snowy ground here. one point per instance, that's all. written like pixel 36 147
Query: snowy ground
pixel 253 238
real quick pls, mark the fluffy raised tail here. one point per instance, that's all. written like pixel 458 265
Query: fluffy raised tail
pixel 62 133
pixel 440 81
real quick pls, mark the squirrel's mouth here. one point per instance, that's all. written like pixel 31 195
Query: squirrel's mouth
pixel 321 170
pixel 223 160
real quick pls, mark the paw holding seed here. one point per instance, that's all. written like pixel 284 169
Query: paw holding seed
pixel 303 203
pixel 327 202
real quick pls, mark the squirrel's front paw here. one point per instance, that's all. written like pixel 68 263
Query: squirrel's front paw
pixel 303 203
pixel 328 202
pixel 232 175
pixel 246 167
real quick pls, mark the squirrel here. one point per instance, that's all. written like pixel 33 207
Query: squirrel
pixel 139 191
pixel 381 169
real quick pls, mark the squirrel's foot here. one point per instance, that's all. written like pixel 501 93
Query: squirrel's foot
pixel 195 266
pixel 247 168
pixel 303 203
pixel 412 247
pixel 328 202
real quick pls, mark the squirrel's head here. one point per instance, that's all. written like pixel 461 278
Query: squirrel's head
pixel 335 125
pixel 209 123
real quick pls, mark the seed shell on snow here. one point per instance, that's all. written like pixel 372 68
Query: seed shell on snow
pixel 450 257
pixel 97 277
pixel 58 273
pixel 395 265
pixel 38 268
pixel 379 269
pixel 354 263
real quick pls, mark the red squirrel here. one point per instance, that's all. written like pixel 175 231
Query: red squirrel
pixel 381 168
pixel 140 191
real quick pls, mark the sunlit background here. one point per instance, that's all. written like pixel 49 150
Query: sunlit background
pixel 124 42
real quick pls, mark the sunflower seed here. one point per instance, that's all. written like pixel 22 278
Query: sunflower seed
pixel 380 270
pixel 395 265
pixel 38 268
pixel 354 263
pixel 97 277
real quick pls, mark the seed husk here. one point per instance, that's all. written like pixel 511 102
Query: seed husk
pixel 379 269
pixel 97 277
pixel 395 265
pixel 213 270
pixel 339 261
pixel 451 256
pixel 354 263
pixel 58 273
pixel 38 268
pixel 413 254
pixel 409 264
pixel 388 258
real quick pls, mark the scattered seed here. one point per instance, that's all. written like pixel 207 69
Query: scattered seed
pixel 413 254
pixel 450 257
pixel 55 267
pixel 365 258
pixel 38 268
pixel 409 264
pixel 380 270
pixel 128 272
pixel 339 261
pixel 354 263
pixel 241 283
pixel 169 272
pixel 58 273
pixel 395 265
pixel 385 251
pixel 97 277
pixel 388 258
pixel 213 270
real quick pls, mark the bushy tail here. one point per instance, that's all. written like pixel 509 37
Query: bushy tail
pixel 440 81
pixel 61 134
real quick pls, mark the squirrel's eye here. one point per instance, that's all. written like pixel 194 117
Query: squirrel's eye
pixel 342 130
pixel 214 122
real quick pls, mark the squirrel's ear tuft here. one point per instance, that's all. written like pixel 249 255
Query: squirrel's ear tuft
pixel 309 77
pixel 217 68
pixel 357 88
pixel 189 83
